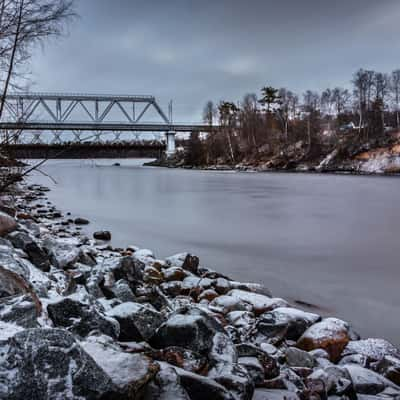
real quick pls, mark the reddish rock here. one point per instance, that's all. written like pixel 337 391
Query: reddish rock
pixel 330 334
pixel 208 295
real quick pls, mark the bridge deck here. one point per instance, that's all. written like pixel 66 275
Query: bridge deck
pixel 105 126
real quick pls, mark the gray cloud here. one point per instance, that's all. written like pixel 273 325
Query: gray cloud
pixel 192 51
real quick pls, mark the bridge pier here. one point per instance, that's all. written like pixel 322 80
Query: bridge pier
pixel 170 143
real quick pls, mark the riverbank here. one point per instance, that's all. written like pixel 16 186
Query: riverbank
pixel 158 328
pixel 381 157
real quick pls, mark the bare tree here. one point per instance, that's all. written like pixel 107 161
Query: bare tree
pixel 396 94
pixel 23 24
pixel 287 110
pixel 209 113
pixel 249 118
pixel 341 98
pixel 311 106
pixel 228 113
pixel 382 89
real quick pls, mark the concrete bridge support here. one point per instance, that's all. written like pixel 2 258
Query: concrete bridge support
pixel 170 143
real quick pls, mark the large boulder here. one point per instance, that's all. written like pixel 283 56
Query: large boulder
pixel 129 269
pixel 81 318
pixel 36 254
pixel 190 328
pixel 248 351
pixel 366 381
pixel 7 224
pixel 137 321
pixel 373 349
pixel 49 364
pixel 331 334
pixel 64 253
pixel 128 372
pixel 297 321
pixel 259 303
pixel 225 304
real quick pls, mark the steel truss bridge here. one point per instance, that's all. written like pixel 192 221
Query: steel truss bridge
pixel 57 113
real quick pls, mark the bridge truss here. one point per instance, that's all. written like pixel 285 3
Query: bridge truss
pixel 77 113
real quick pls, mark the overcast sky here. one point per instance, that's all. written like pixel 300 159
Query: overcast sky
pixel 195 50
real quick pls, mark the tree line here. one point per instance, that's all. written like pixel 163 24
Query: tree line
pixel 277 119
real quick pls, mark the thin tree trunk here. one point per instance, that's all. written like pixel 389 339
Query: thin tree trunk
pixel 230 146
pixel 13 53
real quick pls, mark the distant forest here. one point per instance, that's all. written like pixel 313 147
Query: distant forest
pixel 278 121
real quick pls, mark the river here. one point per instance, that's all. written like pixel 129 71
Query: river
pixel 328 240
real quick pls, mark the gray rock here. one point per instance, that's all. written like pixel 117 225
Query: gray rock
pixel 122 291
pixel 129 268
pixel 366 381
pixel 298 358
pixel 128 372
pixel 36 254
pixel 102 235
pixel 389 367
pixel 81 221
pixel 20 311
pixel 235 378
pixel 268 362
pixel 254 368
pixel 49 364
pixel 373 349
pixel 166 386
pixel 190 328
pixel 297 321
pixel 81 318
pixel 137 321
pixel 63 253
pixel 223 350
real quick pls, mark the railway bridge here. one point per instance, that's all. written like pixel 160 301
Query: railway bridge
pixel 77 113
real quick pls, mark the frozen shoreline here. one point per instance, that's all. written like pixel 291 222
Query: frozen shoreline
pixel 178 324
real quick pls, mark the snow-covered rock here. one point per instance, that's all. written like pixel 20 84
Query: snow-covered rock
pixel 297 320
pixel 225 304
pixel 128 372
pixel 137 321
pixel 190 328
pixel 49 364
pixel 366 381
pixel 260 303
pixel 184 260
pixel 81 318
pixel 331 334
pixel 373 349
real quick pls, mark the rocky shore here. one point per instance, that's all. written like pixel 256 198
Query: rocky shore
pixel 80 319
pixel 375 158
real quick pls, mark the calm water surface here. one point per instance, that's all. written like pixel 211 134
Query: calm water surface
pixel 332 241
